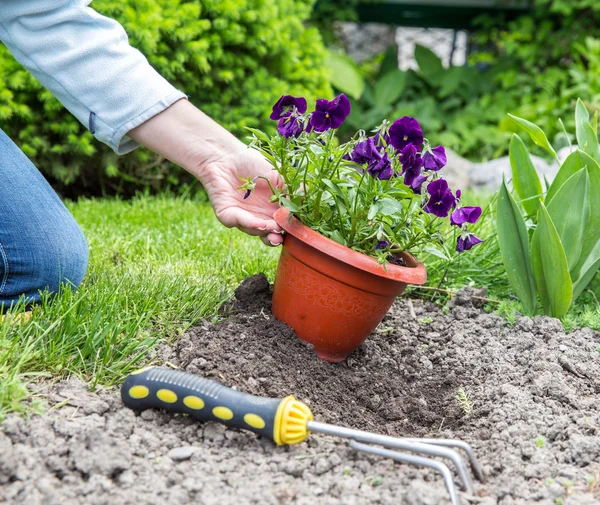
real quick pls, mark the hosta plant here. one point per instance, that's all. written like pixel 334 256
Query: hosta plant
pixel 550 239
pixel 379 193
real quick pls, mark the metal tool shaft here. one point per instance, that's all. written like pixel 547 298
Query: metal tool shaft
pixel 433 447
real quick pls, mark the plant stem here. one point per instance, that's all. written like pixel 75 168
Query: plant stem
pixel 354 220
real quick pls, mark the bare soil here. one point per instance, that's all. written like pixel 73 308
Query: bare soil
pixel 533 417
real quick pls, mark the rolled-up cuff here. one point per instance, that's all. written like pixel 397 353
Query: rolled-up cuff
pixel 119 141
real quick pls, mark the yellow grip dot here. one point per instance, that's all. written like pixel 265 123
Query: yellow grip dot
pixel 193 402
pixel 223 413
pixel 139 392
pixel 166 395
pixel 254 421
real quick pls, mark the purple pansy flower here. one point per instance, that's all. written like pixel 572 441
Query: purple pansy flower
pixel 435 159
pixel 380 166
pixel 416 184
pixel 465 215
pixel 382 244
pixel 467 242
pixel 330 114
pixel 411 163
pixel 404 131
pixel 290 126
pixel 364 151
pixel 441 199
pixel 381 139
pixel 458 193
pixel 285 105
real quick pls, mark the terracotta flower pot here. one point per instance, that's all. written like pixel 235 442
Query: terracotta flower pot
pixel 334 297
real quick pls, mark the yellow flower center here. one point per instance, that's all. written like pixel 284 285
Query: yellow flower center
pixel 405 138
pixel 327 115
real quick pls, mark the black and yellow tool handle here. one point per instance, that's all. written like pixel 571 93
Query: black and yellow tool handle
pixel 282 420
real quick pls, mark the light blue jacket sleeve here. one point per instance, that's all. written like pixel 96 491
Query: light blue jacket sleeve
pixel 86 61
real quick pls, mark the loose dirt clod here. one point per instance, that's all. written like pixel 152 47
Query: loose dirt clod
pixel 525 384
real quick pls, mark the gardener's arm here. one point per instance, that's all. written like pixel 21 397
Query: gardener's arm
pixel 85 60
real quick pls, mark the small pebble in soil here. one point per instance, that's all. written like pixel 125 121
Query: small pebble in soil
pixel 181 453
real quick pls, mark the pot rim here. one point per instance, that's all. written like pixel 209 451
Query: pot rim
pixel 414 273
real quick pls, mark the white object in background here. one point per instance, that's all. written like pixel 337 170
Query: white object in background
pixel 439 40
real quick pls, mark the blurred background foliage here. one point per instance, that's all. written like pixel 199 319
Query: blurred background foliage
pixel 235 58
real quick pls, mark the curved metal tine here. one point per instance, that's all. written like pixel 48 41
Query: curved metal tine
pixel 414 460
pixel 459 444
pixel 415 445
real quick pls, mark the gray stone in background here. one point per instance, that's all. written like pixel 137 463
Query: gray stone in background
pixel 487 176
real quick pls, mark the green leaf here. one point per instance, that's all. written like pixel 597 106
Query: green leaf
pixel 429 63
pixel 345 74
pixel 438 251
pixel 525 178
pixel 585 279
pixel 452 80
pixel 590 248
pixel 289 205
pixel 572 164
pixel 582 118
pixel 590 140
pixel 550 267
pixel 372 211
pixel 536 134
pixel 390 61
pixel 570 210
pixel 258 134
pixel 514 248
pixel 338 237
pixel 389 89
pixel 388 207
pixel 335 189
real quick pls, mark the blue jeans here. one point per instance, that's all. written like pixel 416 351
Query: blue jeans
pixel 41 245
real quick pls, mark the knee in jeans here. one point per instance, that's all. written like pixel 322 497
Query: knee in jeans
pixel 65 259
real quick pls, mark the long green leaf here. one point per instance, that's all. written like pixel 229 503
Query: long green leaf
pixel 345 74
pixel 591 142
pixel 389 88
pixel 524 176
pixel 586 133
pixel 582 117
pixel 572 164
pixel 536 134
pixel 585 279
pixel 590 248
pixel 570 210
pixel 514 247
pixel 550 267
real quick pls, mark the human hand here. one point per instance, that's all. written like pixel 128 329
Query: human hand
pixel 188 137
pixel 254 215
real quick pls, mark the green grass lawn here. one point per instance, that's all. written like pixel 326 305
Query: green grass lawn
pixel 157 266
pixel 160 264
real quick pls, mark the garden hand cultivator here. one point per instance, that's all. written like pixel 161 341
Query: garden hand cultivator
pixel 286 421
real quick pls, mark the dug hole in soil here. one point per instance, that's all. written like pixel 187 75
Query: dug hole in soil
pixel 534 424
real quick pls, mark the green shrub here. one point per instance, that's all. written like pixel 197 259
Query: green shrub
pixel 233 58
pixel 452 104
pixel 546 60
